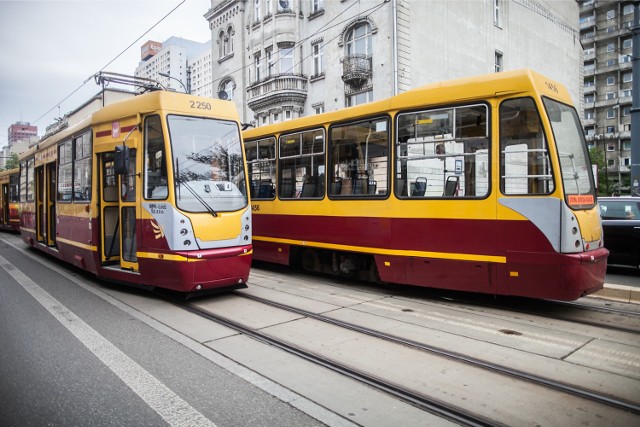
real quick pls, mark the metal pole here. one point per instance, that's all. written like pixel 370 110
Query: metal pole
pixel 635 106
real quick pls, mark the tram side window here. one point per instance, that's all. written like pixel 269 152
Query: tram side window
pixel 359 157
pixel 82 168
pixel 261 162
pixel 301 165
pixel 155 174
pixel 443 153
pixel 23 182
pixel 65 171
pixel 525 166
pixel 13 188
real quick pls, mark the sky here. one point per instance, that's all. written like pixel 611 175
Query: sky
pixel 49 48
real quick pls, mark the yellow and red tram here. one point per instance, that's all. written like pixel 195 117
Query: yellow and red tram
pixel 482 184
pixel 150 190
pixel 9 218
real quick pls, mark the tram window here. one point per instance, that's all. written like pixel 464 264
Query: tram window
pixel 443 153
pixel 359 159
pixel 525 167
pixel 65 171
pixel 23 182
pixel 261 162
pixel 13 188
pixel 301 165
pixel 30 181
pixel 155 173
pixel 82 168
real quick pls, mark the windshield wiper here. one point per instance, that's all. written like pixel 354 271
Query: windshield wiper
pixel 192 191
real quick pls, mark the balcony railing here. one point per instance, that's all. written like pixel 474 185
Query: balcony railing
pixel 356 69
pixel 277 87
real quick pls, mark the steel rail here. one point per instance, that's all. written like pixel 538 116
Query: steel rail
pixel 423 402
pixel 515 373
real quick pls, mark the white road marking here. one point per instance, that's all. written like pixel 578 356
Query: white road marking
pixel 173 409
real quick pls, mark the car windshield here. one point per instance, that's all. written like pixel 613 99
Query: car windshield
pixel 208 164
pixel 619 209
pixel 574 159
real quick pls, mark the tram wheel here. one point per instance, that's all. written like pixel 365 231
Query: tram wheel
pixel 310 260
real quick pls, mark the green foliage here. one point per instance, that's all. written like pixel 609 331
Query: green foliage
pixel 12 163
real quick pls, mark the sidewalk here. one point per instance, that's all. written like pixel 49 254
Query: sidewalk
pixel 622 293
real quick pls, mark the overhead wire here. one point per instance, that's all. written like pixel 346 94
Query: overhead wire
pixel 110 62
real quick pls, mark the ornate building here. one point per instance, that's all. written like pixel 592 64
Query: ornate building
pixel 282 59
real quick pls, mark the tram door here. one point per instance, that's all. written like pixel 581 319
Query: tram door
pixel 50 205
pixel 41 230
pixel 118 213
pixel 5 204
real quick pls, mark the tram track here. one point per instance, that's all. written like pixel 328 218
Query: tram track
pixel 504 370
pixel 434 406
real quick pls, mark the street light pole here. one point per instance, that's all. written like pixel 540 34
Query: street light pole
pixel 167 75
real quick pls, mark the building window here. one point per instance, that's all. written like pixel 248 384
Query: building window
pixel 627 9
pixel 611 113
pixel 359 98
pixel 627 43
pixel 318 108
pixel 626 111
pixel 317 59
pixel 626 93
pixel 359 40
pixel 611 47
pixel 497 15
pixel 286 60
pixel 611 80
pixel 225 90
pixel 611 95
pixel 284 6
pixel 589 115
pixel 589 99
pixel 611 129
pixel 317 6
pixel 498 61
pixel 257 68
pixel 627 77
pixel 257 10
pixel 626 144
pixel 611 62
pixel 611 14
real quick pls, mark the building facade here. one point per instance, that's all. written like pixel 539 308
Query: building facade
pixel 21 131
pixel 282 59
pixel 181 60
pixel 605 31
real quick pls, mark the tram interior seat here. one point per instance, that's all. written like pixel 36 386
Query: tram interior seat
pixel 451 186
pixel 287 188
pixel 419 188
pixel 267 190
pixel 309 188
pixel 361 186
pixel 347 187
pixel 336 186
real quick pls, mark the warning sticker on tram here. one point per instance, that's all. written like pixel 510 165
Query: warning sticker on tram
pixel 585 199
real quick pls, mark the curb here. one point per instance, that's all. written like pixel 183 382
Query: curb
pixel 620 293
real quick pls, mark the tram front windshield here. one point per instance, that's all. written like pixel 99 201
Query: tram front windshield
pixel 208 164
pixel 575 164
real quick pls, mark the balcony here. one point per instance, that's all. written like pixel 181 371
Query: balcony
pixel 356 69
pixel 277 89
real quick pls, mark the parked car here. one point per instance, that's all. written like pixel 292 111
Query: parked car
pixel 621 224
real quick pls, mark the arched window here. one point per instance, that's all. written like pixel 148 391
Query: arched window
pixel 226 89
pixel 221 43
pixel 358 40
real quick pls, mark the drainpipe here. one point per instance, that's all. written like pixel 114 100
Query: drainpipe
pixel 395 46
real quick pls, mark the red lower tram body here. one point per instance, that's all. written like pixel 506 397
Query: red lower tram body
pixel 485 256
pixel 77 241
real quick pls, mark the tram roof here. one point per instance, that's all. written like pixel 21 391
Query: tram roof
pixel 434 94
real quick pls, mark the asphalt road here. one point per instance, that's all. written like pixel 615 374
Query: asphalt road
pixel 67 357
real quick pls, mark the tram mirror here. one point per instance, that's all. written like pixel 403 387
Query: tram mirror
pixel 121 160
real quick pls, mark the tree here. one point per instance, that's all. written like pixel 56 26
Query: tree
pixel 12 162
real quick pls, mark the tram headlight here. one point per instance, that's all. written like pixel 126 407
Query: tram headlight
pixel 187 242
pixel 183 232
pixel 574 230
